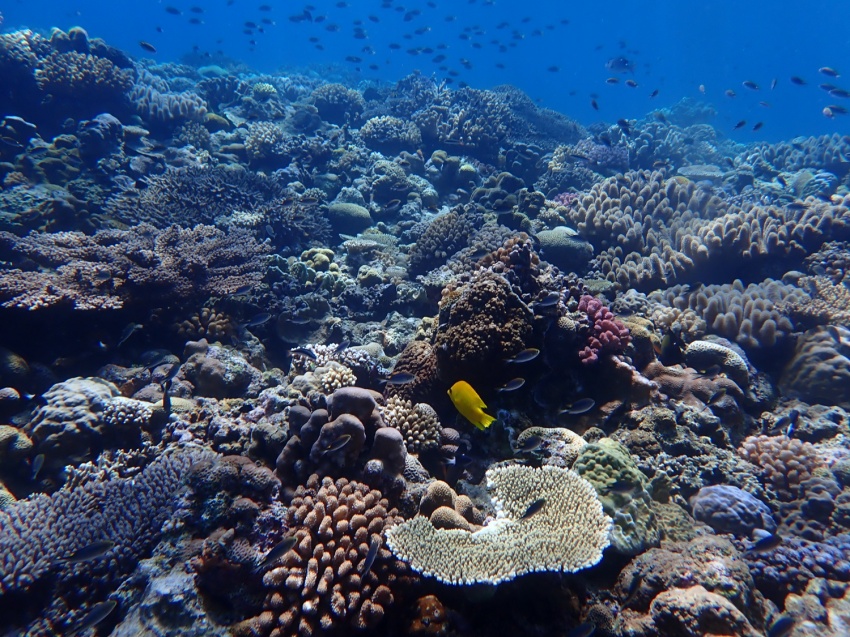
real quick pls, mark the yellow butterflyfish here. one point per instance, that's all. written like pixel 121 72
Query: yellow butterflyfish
pixel 469 404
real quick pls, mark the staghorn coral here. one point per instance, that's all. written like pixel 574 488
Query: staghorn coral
pixel 473 120
pixel 320 585
pixel 192 195
pixel 419 423
pixel 390 135
pixel 567 535
pixel 337 104
pixel 114 268
pixel 34 532
pixel 444 236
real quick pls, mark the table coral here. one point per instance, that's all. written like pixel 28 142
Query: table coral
pixel 567 535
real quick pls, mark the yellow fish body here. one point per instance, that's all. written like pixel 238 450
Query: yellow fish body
pixel 469 404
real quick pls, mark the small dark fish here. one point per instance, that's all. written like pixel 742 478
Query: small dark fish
pixel 102 276
pixel 529 444
pixel 401 378
pixel 579 407
pixel 715 398
pixel 796 205
pixel 829 71
pixel 278 552
pixel 624 126
pixel 594 104
pixel 303 351
pixel 270 231
pixel 660 163
pixel 337 443
pixel 97 614
pixel 799 81
pixel 195 21
pixel 342 345
pixel 11 143
pixel 634 587
pixel 612 80
pixel 840 92
pixel 265 7
pixel 767 543
pixel 653 94
pixel 533 508
pixel 196 9
pixel 773 84
pixel 757 125
pixel 258 320
pixel 37 464
pixel 242 290
pixel 550 300
pixel 782 181
pixel 835 108
pixel 620 65
pixel 147 46
pixel 512 385
pixel 553 69
pixel 782 627
pixel 524 356
pixel 353 59
pixel 827 87
pixel 740 124
pixel 374 545
pixel 90 552
pixel 788 422
pixel 583 630
pixel 631 83
pixel 128 331
pixel 623 487
pixel 173 11
pixel 750 85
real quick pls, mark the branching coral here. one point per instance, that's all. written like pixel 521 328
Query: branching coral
pixel 117 267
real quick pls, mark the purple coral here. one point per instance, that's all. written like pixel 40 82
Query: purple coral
pixel 607 334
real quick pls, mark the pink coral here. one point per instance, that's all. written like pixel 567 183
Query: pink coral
pixel 607 334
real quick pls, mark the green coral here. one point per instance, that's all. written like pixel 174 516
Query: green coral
pixel 605 464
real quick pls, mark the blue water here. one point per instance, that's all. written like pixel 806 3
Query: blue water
pixel 696 49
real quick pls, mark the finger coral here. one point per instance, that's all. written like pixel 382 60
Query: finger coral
pixel 323 584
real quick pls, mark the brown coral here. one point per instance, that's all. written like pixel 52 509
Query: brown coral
pixel 321 585
pixel 486 324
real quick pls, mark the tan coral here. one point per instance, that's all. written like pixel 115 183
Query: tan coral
pixel 320 585
pixel 568 534
pixel 419 423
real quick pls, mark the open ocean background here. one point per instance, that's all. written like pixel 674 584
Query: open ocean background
pixel 676 47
